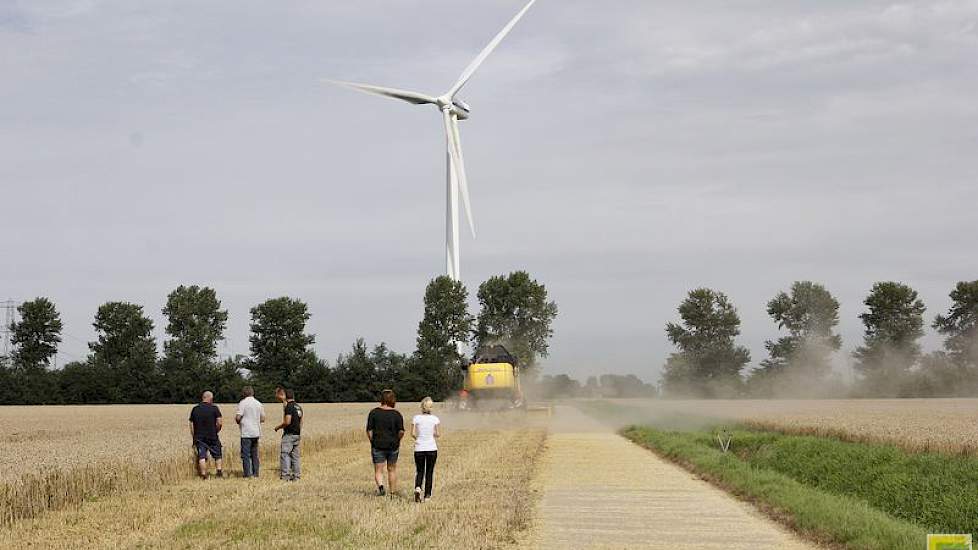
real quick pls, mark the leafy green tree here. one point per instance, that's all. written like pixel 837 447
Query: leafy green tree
pixel 953 371
pixel 428 375
pixel 10 390
pixel 195 325
pixel 709 361
pixel 314 381
pixel 558 387
pixel 940 376
pixel 435 369
pixel 85 383
pixel 810 314
pixel 516 313
pixel 446 321
pixel 280 346
pixel 225 379
pixel 388 364
pixel 960 325
pixel 35 340
pixel 36 336
pixel 616 385
pixel 894 323
pixel 359 376
pixel 355 376
pixel 124 353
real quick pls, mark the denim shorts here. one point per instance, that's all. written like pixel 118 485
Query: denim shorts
pixel 381 456
pixel 205 447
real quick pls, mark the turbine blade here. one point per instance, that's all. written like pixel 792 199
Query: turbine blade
pixel 463 178
pixel 470 70
pixel 458 161
pixel 450 203
pixel 404 95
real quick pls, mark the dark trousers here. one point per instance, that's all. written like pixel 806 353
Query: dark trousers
pixel 424 462
pixel 249 456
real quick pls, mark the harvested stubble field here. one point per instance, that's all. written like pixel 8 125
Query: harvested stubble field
pixel 939 425
pixel 121 476
pixel 481 497
pixel 53 457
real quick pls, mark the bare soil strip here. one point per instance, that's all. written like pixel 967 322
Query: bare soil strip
pixel 602 491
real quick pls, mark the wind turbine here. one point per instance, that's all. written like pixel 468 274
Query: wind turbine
pixel 453 110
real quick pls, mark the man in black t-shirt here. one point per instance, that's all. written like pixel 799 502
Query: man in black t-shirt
pixel 290 465
pixel 385 428
pixel 205 423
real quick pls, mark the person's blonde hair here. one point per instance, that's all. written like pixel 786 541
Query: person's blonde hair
pixel 426 405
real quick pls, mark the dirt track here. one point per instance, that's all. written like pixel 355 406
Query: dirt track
pixel 602 491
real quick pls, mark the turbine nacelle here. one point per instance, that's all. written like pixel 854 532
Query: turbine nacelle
pixel 457 107
pixel 462 109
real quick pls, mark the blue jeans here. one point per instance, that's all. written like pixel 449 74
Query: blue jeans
pixel 290 462
pixel 249 456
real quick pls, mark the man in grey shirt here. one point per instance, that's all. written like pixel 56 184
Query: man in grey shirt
pixel 249 416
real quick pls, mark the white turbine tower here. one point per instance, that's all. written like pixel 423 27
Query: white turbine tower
pixel 453 110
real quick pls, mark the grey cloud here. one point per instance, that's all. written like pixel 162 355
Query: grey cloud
pixel 623 154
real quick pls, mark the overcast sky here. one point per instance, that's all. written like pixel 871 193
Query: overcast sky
pixel 622 152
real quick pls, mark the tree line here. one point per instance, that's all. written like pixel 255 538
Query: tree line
pixel 603 386
pixel 125 365
pixel 889 362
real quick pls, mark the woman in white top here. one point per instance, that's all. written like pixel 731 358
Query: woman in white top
pixel 424 429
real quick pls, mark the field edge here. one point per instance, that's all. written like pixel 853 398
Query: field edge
pixel 832 521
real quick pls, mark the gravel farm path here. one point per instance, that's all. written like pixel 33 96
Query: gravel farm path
pixel 603 491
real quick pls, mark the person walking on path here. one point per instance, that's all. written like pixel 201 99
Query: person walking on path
pixel 290 465
pixel 424 429
pixel 249 416
pixel 205 423
pixel 385 428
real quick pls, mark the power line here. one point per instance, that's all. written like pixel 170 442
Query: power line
pixel 70 355
pixel 9 310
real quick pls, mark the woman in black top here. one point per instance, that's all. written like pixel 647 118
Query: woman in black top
pixel 385 428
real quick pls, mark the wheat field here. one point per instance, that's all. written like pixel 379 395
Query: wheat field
pixel 55 457
pixel 942 425
pixel 42 438
pixel 121 476
pixel 480 501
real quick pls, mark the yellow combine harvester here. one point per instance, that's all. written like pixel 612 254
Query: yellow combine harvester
pixel 492 381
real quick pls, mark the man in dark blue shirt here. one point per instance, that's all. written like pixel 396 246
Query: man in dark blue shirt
pixel 205 423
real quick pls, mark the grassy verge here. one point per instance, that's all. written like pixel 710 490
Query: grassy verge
pixel 857 496
pixel 933 490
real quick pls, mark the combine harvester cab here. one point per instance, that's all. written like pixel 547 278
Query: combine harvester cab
pixel 492 381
